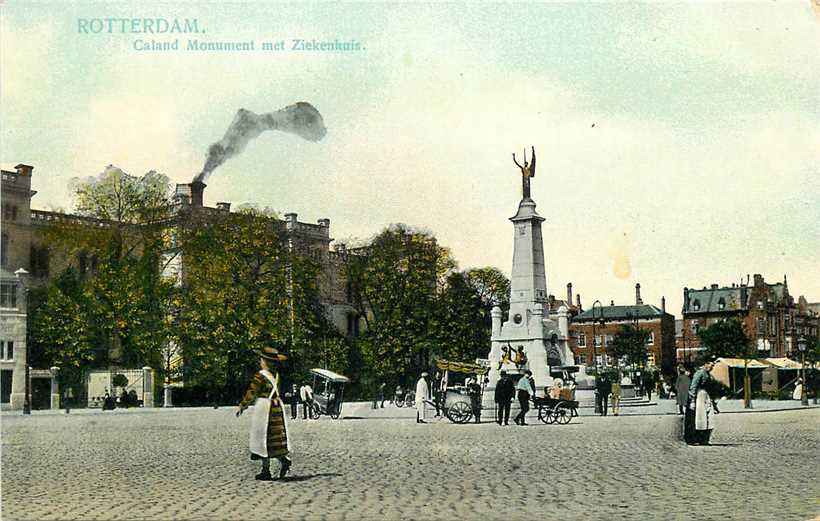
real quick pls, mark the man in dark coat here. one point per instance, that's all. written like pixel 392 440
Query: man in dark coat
pixel 504 393
pixel 604 388
pixel 294 401
pixel 474 391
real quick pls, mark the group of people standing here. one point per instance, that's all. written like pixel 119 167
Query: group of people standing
pixel 303 395
pixel 506 391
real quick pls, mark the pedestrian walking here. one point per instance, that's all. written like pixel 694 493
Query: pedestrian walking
pixel 422 397
pixel 474 391
pixel 269 432
pixel 616 397
pixel 382 386
pixel 702 405
pixel 604 388
pixel 436 390
pixel 294 401
pixel 648 385
pixel 798 390
pixel 682 389
pixel 532 383
pixel 504 393
pixel 306 397
pixel 525 390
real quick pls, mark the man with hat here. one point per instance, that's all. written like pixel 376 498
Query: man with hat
pixel 422 396
pixel 269 433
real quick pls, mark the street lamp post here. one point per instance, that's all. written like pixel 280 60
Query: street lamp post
pixel 801 345
pixel 21 276
pixel 595 351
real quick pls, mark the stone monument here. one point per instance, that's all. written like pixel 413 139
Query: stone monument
pixel 532 327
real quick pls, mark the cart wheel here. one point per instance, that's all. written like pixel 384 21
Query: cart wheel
pixel 460 412
pixel 545 415
pixel 337 413
pixel 315 412
pixel 562 415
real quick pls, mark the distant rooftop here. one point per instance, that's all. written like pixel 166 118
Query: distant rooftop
pixel 620 313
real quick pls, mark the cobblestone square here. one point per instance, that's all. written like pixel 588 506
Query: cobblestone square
pixel 193 464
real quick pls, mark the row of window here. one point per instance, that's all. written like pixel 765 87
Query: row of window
pixel 6 350
pixel 607 339
pixel 721 305
pixel 39 259
pixel 8 295
pixel 9 212
pixel 609 361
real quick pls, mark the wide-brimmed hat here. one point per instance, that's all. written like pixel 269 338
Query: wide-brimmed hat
pixel 270 353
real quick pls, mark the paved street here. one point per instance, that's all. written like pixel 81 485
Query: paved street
pixel 192 464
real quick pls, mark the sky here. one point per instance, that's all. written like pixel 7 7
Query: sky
pixel 678 144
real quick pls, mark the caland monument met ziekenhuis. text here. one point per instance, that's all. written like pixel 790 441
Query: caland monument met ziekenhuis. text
pixel 534 337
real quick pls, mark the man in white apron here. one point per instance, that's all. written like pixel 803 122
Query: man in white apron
pixel 269 432
pixel 422 396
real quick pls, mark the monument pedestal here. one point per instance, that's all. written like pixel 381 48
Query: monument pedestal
pixel 532 327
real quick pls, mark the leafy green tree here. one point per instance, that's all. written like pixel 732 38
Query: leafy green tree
pixel 630 343
pixel 125 297
pixel 462 321
pixel 728 339
pixel 244 287
pixel 492 287
pixel 61 327
pixel 395 285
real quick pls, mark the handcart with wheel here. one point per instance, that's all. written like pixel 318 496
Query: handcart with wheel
pixel 551 410
pixel 458 397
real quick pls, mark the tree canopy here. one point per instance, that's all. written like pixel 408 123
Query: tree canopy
pixel 630 343
pixel 726 339
pixel 244 287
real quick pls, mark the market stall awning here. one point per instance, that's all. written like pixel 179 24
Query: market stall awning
pixel 739 362
pixel 784 363
pixel 461 367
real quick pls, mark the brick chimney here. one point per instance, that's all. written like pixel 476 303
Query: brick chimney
pixel 578 302
pixel 638 300
pixel 569 294
pixel 197 189
pixel 663 304
pixel 24 170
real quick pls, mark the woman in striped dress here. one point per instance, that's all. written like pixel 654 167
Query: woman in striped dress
pixel 269 433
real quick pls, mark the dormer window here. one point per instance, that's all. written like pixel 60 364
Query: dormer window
pixel 721 304
pixel 696 305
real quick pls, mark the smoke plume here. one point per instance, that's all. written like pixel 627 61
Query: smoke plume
pixel 301 119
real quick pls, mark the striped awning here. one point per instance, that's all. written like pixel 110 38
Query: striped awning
pixel 461 367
